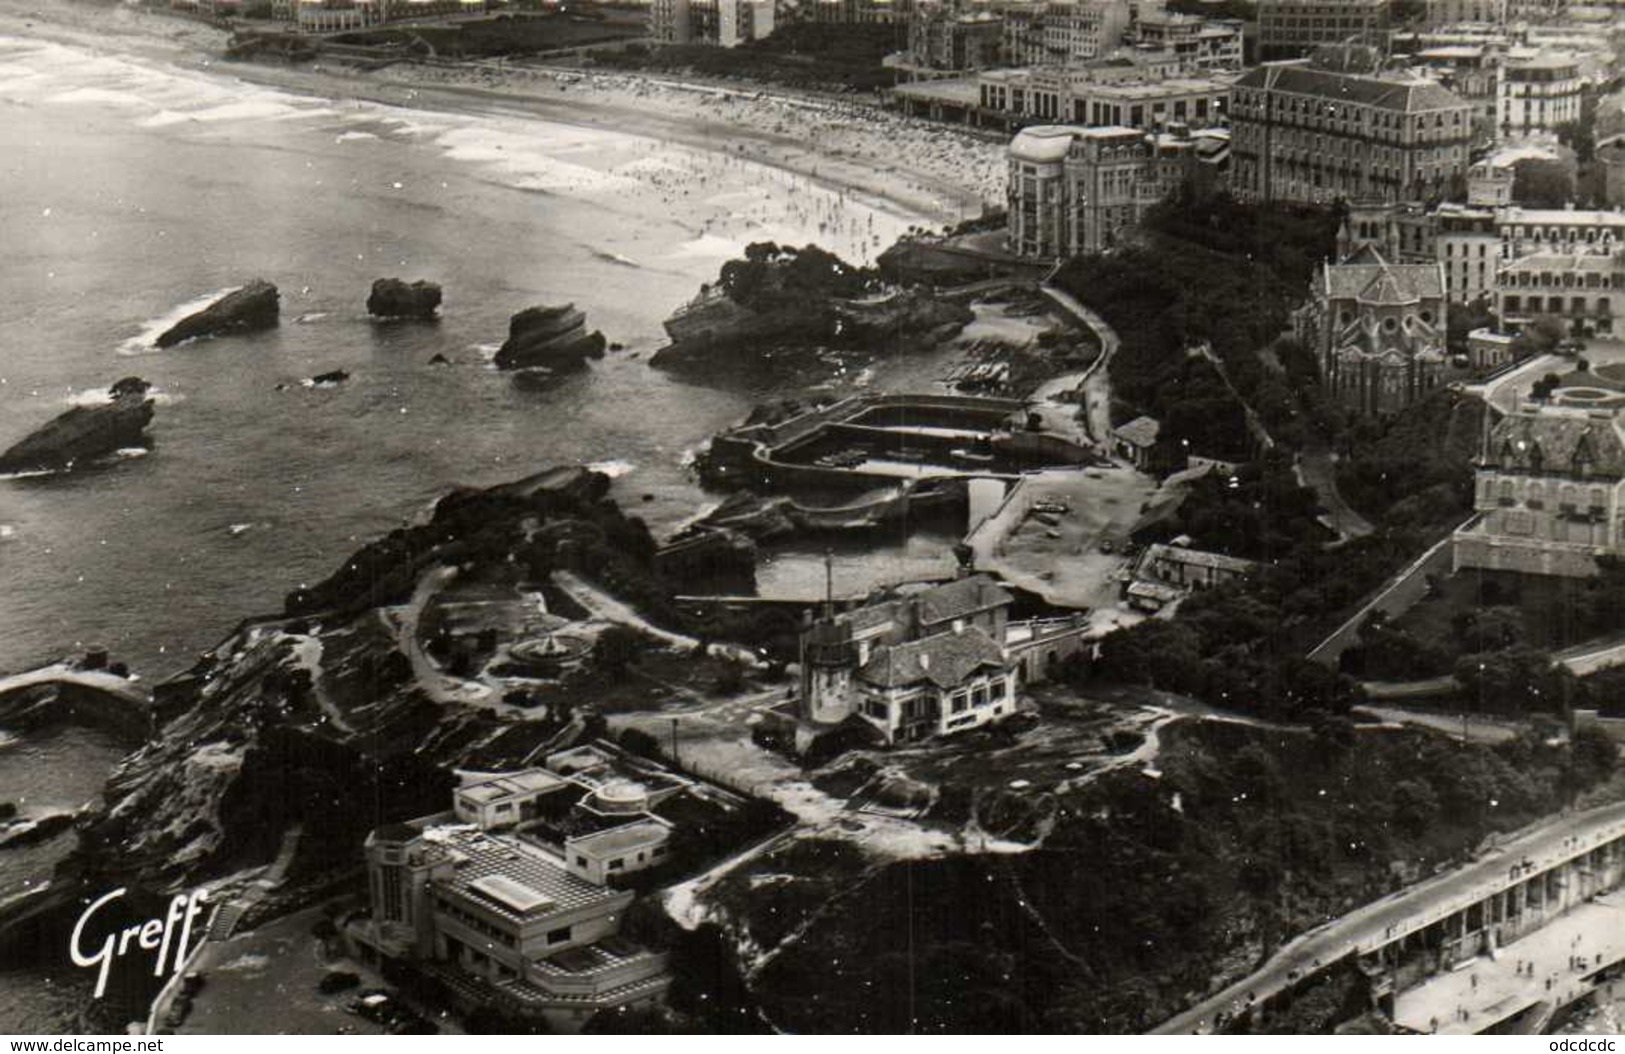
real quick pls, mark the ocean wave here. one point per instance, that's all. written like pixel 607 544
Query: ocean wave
pixel 103 396
pixel 32 473
pixel 8 532
pixel 312 316
pixel 146 342
pixel 616 258
pixel 614 468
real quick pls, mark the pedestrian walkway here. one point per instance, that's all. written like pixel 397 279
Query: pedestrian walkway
pixel 1551 965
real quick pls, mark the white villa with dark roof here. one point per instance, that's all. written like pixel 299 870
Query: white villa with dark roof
pixel 1549 493
pixel 936 661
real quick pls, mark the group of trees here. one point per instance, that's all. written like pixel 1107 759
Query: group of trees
pixel 819 56
pixel 771 277
pixel 1215 272
pixel 1260 513
pixel 1414 469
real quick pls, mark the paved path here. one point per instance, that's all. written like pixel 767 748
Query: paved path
pixel 1406 911
pixel 1492 990
pixel 1502 393
pixel 1095 382
pixel 600 605
pixel 1317 470
pixel 1395 597
pixel 439 686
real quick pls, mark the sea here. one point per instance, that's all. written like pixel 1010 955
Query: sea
pixel 132 192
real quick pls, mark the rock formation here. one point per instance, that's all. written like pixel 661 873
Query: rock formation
pixel 907 317
pixel 33 832
pixel 782 297
pixel 84 433
pixel 553 338
pixel 393 298
pixel 255 306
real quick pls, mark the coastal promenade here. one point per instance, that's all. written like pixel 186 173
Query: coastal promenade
pixel 1553 848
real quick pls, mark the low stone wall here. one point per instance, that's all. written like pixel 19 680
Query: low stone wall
pixel 1495 553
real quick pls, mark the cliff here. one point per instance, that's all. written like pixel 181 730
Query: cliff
pixel 84 433
pixel 331 719
pixel 253 307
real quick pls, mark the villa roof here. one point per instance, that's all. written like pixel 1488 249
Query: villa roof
pixel 1558 439
pixel 946 660
pixel 541 883
pixel 1579 263
pixel 1408 95
pixel 961 597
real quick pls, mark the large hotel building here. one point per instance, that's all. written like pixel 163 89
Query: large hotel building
pixel 1311 135
pixel 1294 28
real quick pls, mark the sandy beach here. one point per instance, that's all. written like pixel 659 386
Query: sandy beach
pixel 876 156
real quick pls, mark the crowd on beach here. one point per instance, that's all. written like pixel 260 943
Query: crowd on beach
pixel 824 137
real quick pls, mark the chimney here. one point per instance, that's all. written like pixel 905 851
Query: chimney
pixel 925 660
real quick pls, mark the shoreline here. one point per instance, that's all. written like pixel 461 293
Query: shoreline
pixel 927 174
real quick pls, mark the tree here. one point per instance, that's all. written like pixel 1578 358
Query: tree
pixel 1415 806
pixel 1542 184
pixel 616 649
pixel 1596 755
pixel 1462 319
pixel 1540 336
pixel 1543 388
pixel 1519 680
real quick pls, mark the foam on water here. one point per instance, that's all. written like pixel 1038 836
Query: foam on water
pixel 145 342
pixel 102 396
pixel 614 468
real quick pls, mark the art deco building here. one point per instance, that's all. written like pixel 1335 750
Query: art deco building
pixel 1314 135
pixel 1141 92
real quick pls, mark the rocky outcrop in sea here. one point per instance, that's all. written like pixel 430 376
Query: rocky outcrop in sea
pixel 552 338
pixel 255 306
pixel 783 297
pixel 394 298
pixel 84 433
